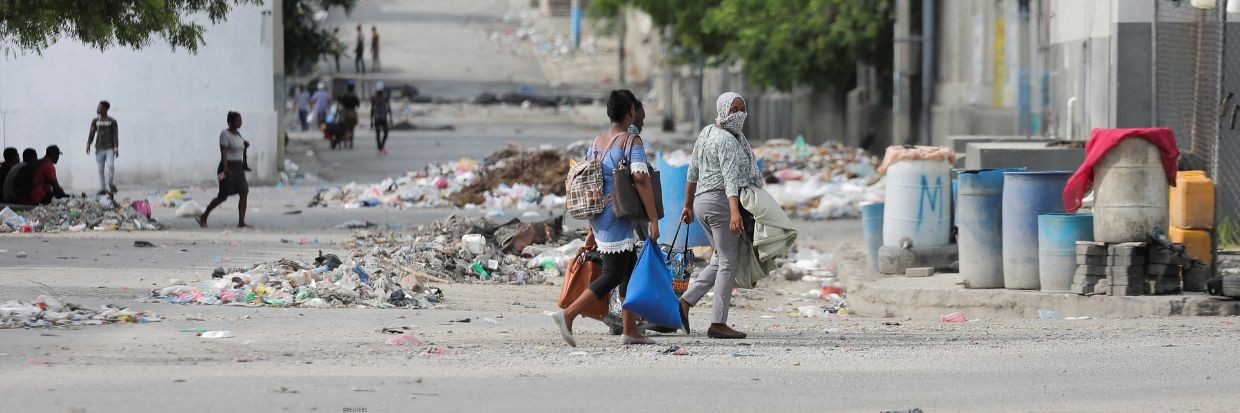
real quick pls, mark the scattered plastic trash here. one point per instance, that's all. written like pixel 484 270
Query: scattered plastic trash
pixel 21 254
pixel 189 209
pixel 143 244
pixel 489 320
pixel 78 214
pixel 1078 318
pixel 956 317
pixel 1048 314
pixel 355 224
pixel 47 311
pixel 404 339
pixel 217 334
pixel 746 354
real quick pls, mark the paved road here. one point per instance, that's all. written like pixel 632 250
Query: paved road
pixel 331 360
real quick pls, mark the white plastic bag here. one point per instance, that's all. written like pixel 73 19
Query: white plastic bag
pixel 189 209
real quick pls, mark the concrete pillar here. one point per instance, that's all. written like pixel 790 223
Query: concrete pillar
pixel 901 117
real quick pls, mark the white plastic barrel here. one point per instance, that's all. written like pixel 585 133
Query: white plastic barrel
pixel 918 204
pixel 1130 193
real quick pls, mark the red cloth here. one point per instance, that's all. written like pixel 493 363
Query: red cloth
pixel 44 174
pixel 1100 142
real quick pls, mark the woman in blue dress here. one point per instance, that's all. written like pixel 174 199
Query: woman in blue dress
pixel 616 237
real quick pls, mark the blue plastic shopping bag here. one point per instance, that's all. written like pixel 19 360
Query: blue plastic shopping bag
pixel 650 289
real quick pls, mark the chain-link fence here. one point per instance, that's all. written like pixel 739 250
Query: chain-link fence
pixel 1188 50
pixel 1226 170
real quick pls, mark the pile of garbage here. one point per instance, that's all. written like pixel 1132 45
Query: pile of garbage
pixel 328 282
pixel 48 311
pixel 76 214
pixel 512 178
pixel 515 177
pixel 428 188
pixel 819 182
pixel 392 270
pixel 465 249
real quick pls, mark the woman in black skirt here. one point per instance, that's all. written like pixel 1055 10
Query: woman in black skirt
pixel 231 170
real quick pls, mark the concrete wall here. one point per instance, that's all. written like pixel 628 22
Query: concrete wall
pixel 170 106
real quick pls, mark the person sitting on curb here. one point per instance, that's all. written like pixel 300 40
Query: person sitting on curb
pixel 44 185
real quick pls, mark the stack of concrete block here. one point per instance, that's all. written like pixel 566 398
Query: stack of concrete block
pixel 1091 265
pixel 1163 270
pixel 1126 270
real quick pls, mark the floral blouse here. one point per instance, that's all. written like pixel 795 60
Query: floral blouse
pixel 723 161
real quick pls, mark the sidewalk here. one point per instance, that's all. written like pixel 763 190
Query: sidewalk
pixel 873 295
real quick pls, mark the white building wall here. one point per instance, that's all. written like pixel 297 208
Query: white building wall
pixel 170 106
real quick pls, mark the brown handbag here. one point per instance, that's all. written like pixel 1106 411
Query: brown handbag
pixel 583 270
pixel 625 200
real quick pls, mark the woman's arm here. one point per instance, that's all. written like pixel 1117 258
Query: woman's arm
pixel 645 190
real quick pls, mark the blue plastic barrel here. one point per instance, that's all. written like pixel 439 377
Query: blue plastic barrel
pixel 673 180
pixel 979 225
pixel 1025 196
pixel 872 224
pixel 1057 237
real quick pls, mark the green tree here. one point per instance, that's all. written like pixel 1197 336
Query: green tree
pixel 34 25
pixel 805 42
pixel 683 16
pixel 304 41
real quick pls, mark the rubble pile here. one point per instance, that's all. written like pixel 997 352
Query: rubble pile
pixel 428 188
pixel 515 177
pixel 464 249
pixel 819 182
pixel 329 281
pixel 512 178
pixel 391 270
pixel 48 311
pixel 81 214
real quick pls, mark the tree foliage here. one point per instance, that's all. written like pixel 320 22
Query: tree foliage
pixel 781 43
pixel 683 16
pixel 34 25
pixel 305 42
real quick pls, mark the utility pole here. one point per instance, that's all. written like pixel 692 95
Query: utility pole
pixel 669 113
pixel 575 12
pixel 927 70
pixel 624 26
pixel 901 113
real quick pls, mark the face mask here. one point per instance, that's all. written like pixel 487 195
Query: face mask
pixel 734 122
pixel 634 130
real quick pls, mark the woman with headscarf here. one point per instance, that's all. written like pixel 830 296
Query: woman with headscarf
pixel 723 164
pixel 616 237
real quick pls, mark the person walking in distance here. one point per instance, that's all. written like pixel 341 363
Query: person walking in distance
pixel 359 53
pixel 231 171
pixel 381 116
pixel 302 99
pixel 349 104
pixel 374 48
pixel 105 136
pixel 337 47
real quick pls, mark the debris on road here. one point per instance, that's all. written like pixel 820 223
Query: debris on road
pixel 79 214
pixel 217 334
pixel 956 317
pixel 819 182
pixel 513 177
pixel 48 311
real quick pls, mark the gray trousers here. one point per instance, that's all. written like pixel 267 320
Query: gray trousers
pixel 714 213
